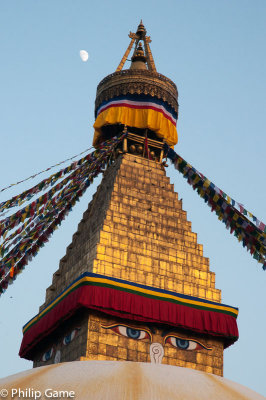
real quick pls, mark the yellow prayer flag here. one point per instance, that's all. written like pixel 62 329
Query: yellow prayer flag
pixel 207 183
pixel 23 216
pixel 235 217
pixel 215 197
pixel 197 179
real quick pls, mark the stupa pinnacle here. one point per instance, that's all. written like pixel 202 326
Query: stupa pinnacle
pixel 121 94
pixel 136 38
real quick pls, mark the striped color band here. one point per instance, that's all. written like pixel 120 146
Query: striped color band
pixel 134 288
pixel 140 102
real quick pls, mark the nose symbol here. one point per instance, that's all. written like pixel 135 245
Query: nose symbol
pixel 156 353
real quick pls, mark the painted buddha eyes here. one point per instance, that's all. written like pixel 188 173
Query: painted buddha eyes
pixel 132 333
pixel 139 334
pixel 68 338
pixel 48 355
pixel 128 331
pixel 184 344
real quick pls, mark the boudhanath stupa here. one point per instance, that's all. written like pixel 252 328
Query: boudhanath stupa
pixel 133 311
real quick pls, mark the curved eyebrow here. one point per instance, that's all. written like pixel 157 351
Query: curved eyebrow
pixel 149 331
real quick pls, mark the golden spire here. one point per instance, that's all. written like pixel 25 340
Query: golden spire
pixel 136 38
pixel 141 31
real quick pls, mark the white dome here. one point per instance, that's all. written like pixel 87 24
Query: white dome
pixel 108 380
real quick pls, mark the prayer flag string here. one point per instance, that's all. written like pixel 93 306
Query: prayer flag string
pixel 46 213
pixel 252 234
pixel 45 170
pixel 28 194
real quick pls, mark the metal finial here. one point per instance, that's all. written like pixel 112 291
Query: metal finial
pixel 141 31
pixel 139 54
pixel 138 59
pixel 135 38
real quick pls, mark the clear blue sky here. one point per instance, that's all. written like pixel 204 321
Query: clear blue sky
pixel 215 52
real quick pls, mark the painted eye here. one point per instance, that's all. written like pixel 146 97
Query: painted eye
pixel 185 344
pixel 68 338
pixel 48 355
pixel 129 332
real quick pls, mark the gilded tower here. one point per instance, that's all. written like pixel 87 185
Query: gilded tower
pixel 134 284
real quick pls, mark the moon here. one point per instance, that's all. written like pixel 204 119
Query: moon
pixel 84 55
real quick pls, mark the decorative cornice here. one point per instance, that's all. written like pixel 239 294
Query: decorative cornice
pixel 137 81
